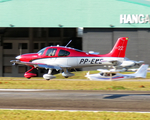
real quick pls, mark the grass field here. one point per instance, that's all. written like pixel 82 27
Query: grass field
pixel 74 85
pixel 23 83
pixel 46 115
pixel 68 84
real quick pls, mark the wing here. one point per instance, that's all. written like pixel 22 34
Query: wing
pixel 110 71
pixel 37 65
pixel 113 62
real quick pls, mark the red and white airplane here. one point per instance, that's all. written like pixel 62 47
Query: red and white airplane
pixel 64 58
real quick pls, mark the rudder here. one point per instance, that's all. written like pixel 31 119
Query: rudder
pixel 142 71
pixel 119 48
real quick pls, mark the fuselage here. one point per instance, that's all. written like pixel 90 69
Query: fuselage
pixel 106 76
pixel 66 57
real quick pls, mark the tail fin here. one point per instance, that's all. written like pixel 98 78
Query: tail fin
pixel 119 48
pixel 142 71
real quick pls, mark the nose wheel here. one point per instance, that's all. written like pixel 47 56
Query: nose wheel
pixel 29 75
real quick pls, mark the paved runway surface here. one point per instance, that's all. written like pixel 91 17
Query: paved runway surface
pixel 75 100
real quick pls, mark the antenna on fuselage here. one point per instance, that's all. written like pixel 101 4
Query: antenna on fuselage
pixel 68 43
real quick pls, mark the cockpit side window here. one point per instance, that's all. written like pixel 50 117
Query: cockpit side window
pixel 51 52
pixel 63 53
pixel 41 51
pixel 107 74
pixel 101 74
pixel 113 74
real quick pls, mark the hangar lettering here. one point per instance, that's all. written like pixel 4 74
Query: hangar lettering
pixel 134 18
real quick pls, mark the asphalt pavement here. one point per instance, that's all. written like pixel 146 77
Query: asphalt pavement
pixel 75 100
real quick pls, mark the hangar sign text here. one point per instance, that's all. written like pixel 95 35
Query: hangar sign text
pixel 134 18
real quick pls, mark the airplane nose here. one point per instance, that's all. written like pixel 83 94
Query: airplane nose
pixel 18 57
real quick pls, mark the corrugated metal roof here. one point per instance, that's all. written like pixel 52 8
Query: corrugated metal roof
pixel 71 13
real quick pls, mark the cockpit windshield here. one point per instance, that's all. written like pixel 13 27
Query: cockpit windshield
pixel 78 50
pixel 41 51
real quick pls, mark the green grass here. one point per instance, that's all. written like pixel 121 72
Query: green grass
pixel 117 88
pixel 74 85
pixel 68 84
pixel 46 115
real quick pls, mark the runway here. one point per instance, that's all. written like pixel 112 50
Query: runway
pixel 75 100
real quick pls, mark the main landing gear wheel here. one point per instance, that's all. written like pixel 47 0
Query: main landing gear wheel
pixel 48 76
pixel 66 76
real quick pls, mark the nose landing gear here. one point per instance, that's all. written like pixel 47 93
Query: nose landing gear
pixel 29 75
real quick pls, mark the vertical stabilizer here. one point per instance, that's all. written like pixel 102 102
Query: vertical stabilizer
pixel 142 71
pixel 119 48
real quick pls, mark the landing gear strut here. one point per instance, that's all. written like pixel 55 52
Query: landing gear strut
pixel 49 75
pixel 67 74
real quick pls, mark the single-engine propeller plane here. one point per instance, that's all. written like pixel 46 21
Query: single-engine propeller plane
pixel 127 63
pixel 113 74
pixel 63 58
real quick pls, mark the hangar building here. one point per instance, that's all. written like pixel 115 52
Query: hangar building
pixel 29 25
